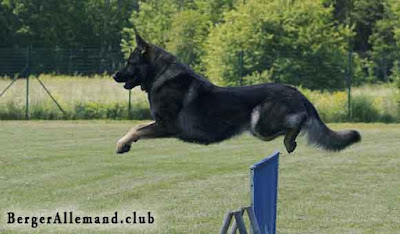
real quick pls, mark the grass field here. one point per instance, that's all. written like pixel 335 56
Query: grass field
pixel 54 165
pixel 100 97
pixel 75 94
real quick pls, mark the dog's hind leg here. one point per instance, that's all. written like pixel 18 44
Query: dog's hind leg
pixel 295 123
pixel 262 126
pixel 290 140
pixel 151 130
pixel 273 119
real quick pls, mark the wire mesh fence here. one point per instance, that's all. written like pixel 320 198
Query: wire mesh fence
pixel 84 60
pixel 52 96
pixel 93 99
pixel 100 97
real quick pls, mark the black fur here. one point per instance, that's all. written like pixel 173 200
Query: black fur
pixel 190 108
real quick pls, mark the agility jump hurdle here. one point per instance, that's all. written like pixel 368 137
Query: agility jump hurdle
pixel 263 198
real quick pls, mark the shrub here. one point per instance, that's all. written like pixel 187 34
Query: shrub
pixel 332 107
pixel 295 41
pixel 363 110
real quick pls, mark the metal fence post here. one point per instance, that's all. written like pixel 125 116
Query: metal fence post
pixel 349 78
pixel 350 55
pixel 129 105
pixel 27 82
pixel 27 99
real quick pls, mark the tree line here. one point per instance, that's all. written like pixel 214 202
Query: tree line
pixel 63 23
pixel 312 43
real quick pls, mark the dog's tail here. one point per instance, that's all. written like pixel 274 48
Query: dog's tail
pixel 319 134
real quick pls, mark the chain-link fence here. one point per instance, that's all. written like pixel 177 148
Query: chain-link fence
pixel 29 97
pixel 85 60
pixel 49 96
pixel 102 98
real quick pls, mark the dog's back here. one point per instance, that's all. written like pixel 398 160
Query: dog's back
pixel 267 111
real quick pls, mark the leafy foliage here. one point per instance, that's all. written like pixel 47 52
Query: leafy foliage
pixel 64 23
pixel 301 42
pixel 296 42
pixel 190 29
pixel 384 46
pixel 180 26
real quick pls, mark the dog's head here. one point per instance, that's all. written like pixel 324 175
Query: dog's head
pixel 143 64
pixel 137 66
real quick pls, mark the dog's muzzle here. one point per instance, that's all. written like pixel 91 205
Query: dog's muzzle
pixel 130 84
pixel 117 77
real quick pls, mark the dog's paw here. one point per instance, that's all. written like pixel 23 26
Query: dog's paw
pixel 291 147
pixel 122 147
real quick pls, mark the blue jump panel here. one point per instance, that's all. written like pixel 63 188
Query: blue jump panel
pixel 264 192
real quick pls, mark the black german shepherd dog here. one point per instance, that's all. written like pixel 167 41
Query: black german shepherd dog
pixel 186 106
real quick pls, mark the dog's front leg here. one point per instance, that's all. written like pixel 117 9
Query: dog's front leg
pixel 150 130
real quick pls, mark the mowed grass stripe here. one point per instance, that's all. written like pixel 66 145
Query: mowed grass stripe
pixel 72 165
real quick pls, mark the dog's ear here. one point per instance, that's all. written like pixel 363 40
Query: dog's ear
pixel 142 45
pixel 140 42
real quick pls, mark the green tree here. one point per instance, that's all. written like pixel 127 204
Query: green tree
pixel 385 41
pixel 294 42
pixel 189 29
pixel 7 24
pixel 153 21
pixel 362 15
pixel 179 26
pixel 64 23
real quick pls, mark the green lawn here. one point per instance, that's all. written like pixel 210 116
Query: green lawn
pixel 47 166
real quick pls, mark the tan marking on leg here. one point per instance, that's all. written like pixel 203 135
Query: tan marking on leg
pixel 150 130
